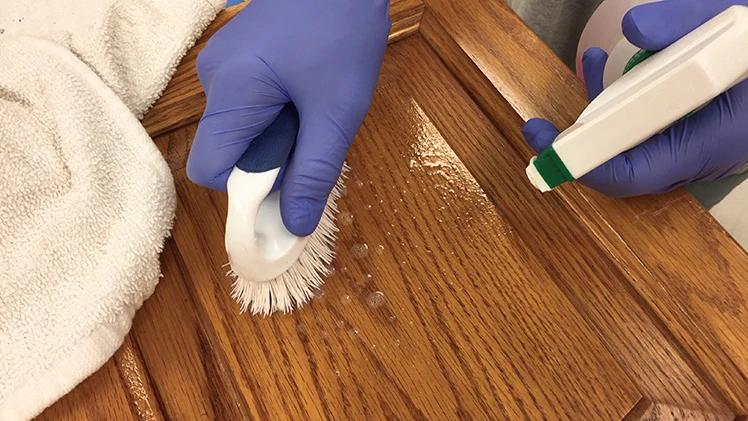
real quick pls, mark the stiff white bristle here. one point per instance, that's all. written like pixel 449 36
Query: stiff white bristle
pixel 296 286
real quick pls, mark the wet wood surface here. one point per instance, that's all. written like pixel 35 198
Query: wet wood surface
pixel 459 292
pixel 678 262
pixel 448 314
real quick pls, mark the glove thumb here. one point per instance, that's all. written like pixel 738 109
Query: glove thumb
pixel 313 171
pixel 593 65
pixel 539 134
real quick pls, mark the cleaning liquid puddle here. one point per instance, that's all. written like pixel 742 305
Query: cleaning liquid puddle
pixel 375 299
pixel 318 294
pixel 359 251
pixel 330 269
pixel 345 218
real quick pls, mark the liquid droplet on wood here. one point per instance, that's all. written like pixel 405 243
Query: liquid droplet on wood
pixel 330 269
pixel 318 294
pixel 376 299
pixel 346 218
pixel 353 333
pixel 359 251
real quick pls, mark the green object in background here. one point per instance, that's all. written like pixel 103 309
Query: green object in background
pixel 637 59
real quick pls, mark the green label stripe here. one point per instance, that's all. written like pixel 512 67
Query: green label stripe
pixel 552 168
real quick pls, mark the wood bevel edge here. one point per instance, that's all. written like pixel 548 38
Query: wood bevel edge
pixel 510 117
pixel 404 24
pixel 135 378
pixel 646 410
pixel 639 410
pixel 215 360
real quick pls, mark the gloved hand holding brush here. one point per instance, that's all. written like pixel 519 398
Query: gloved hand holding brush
pixel 324 56
pixel 708 145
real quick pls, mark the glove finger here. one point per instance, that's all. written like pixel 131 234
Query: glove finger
pixel 313 171
pixel 593 65
pixel 654 26
pixel 240 105
pixel 539 134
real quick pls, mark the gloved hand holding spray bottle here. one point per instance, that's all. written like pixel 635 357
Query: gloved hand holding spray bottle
pixel 708 54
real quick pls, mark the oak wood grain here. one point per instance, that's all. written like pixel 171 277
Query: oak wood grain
pixel 673 413
pixel 696 288
pixel 499 302
pixel 471 325
pixel 598 288
pixel 647 410
pixel 184 100
pixel 100 397
pixel 120 390
pixel 145 404
pixel 181 354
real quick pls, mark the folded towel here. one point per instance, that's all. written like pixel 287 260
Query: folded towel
pixel 134 46
pixel 86 200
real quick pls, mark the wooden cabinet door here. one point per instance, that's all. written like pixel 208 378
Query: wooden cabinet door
pixel 459 292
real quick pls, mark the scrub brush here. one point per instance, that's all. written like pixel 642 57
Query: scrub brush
pixel 272 269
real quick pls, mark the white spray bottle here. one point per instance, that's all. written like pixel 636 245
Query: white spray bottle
pixel 656 93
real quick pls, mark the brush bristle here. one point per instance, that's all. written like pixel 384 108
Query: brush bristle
pixel 296 286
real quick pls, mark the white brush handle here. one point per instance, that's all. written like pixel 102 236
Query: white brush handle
pixel 259 246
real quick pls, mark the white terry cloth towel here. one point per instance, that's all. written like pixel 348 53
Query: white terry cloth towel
pixel 134 46
pixel 86 200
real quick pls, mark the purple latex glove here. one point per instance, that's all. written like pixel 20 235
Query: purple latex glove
pixel 710 144
pixel 324 56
